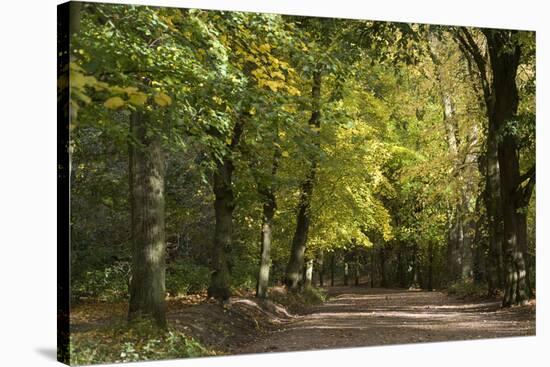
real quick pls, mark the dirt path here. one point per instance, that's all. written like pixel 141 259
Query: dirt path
pixel 356 317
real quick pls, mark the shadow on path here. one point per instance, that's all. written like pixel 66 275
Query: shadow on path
pixel 358 316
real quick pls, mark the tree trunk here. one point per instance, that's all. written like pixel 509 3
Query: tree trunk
pixel 356 268
pixel 265 259
pixel 321 267
pixel 501 100
pixel 346 272
pixel 494 214
pixel 224 206
pixel 479 245
pixel 269 207
pixel 332 268
pixel 309 273
pixel 299 241
pixel 452 244
pixel 146 179
pixel 522 241
pixel 459 251
pixel 455 235
pixel 415 266
pixel 430 265
pixel 372 267
pixel 468 211
pixel 383 280
pixel 504 52
pixel 401 279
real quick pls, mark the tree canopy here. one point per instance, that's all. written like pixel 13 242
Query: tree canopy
pixel 223 150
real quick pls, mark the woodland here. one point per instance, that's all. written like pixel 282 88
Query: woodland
pixel 244 162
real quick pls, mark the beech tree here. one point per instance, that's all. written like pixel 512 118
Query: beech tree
pixel 225 151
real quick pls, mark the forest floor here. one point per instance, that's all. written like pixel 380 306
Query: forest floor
pixel 352 317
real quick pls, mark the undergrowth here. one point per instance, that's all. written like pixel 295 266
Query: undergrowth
pixel 298 302
pixel 467 289
pixel 140 342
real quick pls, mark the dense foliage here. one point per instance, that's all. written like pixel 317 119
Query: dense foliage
pixel 361 151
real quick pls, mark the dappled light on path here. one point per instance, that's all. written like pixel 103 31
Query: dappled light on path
pixel 359 316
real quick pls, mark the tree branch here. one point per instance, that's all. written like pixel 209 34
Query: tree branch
pixel 468 43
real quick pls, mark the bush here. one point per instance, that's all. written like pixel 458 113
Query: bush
pixel 314 296
pixel 467 289
pixel 140 342
pixel 107 284
pixel 183 278
pixel 298 302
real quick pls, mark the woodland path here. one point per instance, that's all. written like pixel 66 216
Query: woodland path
pixel 357 316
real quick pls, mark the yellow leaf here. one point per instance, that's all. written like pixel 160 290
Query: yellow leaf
pixel 293 91
pixel 278 74
pixel 114 103
pixel 162 99
pixel 138 99
pixel 130 90
pixel 274 85
pixel 285 154
pixel 78 80
pixel 264 48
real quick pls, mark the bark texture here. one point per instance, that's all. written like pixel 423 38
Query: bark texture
pixel 146 175
pixel 505 55
pixel 224 205
pixel 269 207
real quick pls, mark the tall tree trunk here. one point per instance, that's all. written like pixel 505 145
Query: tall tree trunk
pixel 430 265
pixel 372 267
pixel 332 269
pixel 501 99
pixel 146 179
pixel 346 272
pixel 504 54
pixel 401 266
pixel 456 235
pixel 309 273
pixel 479 245
pixel 460 251
pixel 299 241
pixel 321 267
pixel 491 171
pixel 494 214
pixel 452 244
pixel 415 266
pixel 522 241
pixel 224 206
pixel 265 256
pixel 468 189
pixel 383 280
pixel 356 268
pixel 269 207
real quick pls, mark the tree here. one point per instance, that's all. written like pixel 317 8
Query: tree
pixel 498 79
pixel 146 172
pixel 298 247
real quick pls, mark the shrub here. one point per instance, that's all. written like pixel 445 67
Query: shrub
pixel 183 278
pixel 314 296
pixel 299 302
pixel 467 289
pixel 107 284
pixel 140 342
